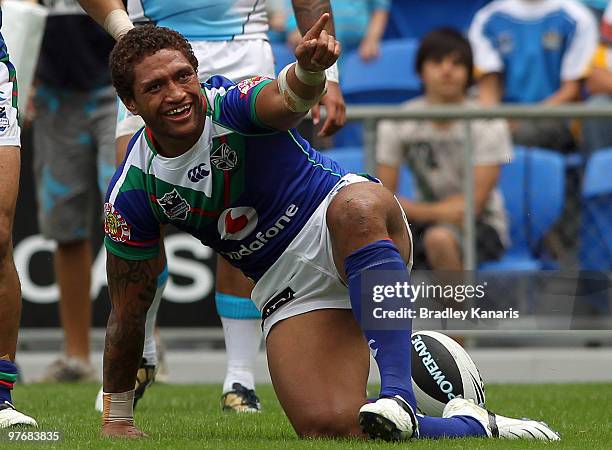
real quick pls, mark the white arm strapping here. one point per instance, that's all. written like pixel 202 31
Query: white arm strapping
pixel 332 73
pixel 293 101
pixel 117 23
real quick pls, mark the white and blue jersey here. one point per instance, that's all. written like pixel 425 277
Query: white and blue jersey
pixel 244 189
pixel 534 44
pixel 204 20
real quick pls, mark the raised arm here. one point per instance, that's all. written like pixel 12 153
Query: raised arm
pixel 131 286
pixel 110 14
pixel 307 12
pixel 283 103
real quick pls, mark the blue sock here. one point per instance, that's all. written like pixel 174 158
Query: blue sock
pixel 451 427
pixel 8 376
pixel 391 348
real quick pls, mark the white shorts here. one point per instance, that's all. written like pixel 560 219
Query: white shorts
pixel 235 60
pixel 305 278
pixel 9 127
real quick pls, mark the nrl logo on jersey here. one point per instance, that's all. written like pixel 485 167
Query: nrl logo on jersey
pixel 174 206
pixel 224 158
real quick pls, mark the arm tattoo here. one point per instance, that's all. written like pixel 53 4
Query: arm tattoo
pixel 307 12
pixel 132 286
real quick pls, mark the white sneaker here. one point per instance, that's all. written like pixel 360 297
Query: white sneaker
pixel 10 417
pixel 390 419
pixel 500 426
pixel 68 370
pixel 99 405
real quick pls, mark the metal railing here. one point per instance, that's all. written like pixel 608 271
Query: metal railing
pixel 371 114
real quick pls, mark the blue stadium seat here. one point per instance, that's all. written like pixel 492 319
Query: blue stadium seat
pixel 390 78
pixel 533 188
pixel 405 186
pixel 282 55
pixel 351 159
pixel 595 251
pixel 414 18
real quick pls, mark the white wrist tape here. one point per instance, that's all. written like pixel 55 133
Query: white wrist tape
pixel 333 74
pixel 293 101
pixel 117 23
pixel 308 77
pixel 118 406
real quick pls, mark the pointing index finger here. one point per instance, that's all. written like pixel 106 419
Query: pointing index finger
pixel 316 29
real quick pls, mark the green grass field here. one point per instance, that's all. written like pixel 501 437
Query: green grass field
pixel 180 417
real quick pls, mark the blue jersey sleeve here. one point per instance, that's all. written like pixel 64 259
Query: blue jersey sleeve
pixel 233 105
pixel 130 234
pixel 131 228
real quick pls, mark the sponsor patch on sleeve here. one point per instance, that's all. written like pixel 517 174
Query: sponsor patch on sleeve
pixel 115 225
pixel 246 85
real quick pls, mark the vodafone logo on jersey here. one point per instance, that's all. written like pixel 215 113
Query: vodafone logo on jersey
pixel 237 223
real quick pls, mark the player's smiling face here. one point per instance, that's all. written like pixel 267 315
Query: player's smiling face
pixel 167 96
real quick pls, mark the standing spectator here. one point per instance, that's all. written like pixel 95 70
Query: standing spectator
pixel 597 134
pixel 74 131
pixel 360 24
pixel 435 153
pixel 534 51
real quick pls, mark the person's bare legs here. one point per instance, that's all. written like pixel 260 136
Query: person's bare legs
pixel 10 290
pixel 442 249
pixel 443 253
pixel 370 240
pixel 319 364
pixel 72 263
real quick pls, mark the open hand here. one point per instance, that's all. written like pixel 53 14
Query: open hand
pixel 317 50
pixel 335 108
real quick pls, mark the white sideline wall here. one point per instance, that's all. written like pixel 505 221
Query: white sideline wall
pixel 497 365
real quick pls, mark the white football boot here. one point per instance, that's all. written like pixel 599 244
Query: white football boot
pixel 500 426
pixel 389 418
pixel 99 404
pixel 10 417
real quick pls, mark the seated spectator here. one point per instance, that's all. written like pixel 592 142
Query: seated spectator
pixel 434 152
pixel 534 51
pixel 359 24
pixel 597 134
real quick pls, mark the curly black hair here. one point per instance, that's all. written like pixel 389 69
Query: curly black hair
pixel 137 44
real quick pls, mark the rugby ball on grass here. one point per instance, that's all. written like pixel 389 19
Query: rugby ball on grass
pixel 441 371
